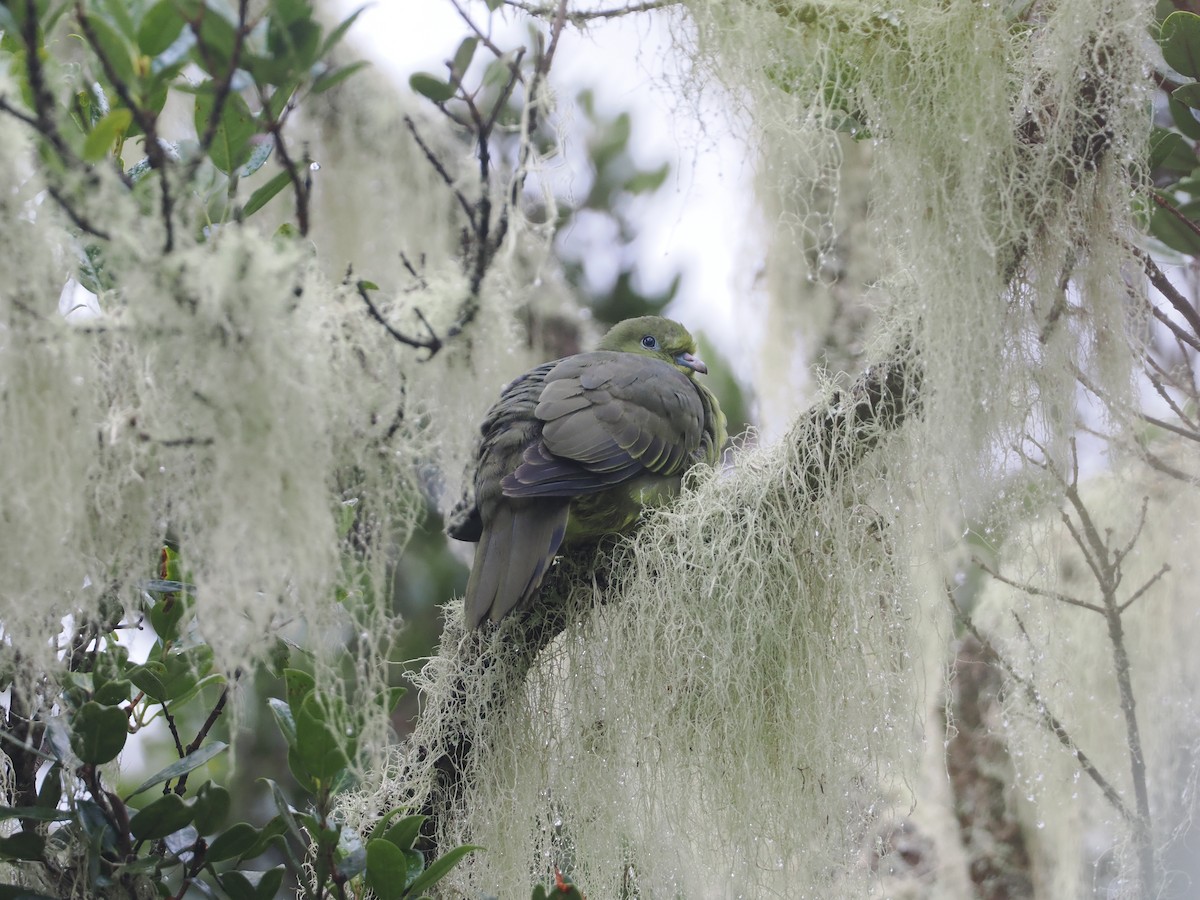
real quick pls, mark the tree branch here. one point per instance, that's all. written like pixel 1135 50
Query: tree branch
pixel 1034 696
pixel 832 440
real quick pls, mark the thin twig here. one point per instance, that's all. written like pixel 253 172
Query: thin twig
pixel 1159 279
pixel 1170 207
pixel 1034 696
pixel 440 169
pixel 433 343
pixel 1145 587
pixel 218 708
pixel 1156 379
pixel 145 119
pixel 222 87
pixel 1178 332
pixel 301 184
pixel 77 218
pixel 582 16
pixel 1174 429
pixel 1036 591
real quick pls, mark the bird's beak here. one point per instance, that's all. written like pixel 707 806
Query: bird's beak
pixel 691 361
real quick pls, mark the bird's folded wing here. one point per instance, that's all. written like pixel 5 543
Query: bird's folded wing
pixel 607 418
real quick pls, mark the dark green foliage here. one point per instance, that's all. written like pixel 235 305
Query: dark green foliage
pixel 1173 164
pixel 178 837
pixel 257 67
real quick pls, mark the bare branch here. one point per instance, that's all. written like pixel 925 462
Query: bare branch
pixel 1163 284
pixel 583 16
pixel 432 343
pixel 1036 591
pixel 484 37
pixel 441 170
pixel 1145 587
pixel 77 218
pixel 222 87
pixel 146 120
pixel 1038 702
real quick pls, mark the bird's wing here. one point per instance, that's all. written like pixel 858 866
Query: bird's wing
pixel 517 538
pixel 607 417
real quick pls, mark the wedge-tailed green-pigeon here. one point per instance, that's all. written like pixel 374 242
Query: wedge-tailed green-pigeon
pixel 575 448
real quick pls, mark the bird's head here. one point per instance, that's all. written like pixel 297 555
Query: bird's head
pixel 658 337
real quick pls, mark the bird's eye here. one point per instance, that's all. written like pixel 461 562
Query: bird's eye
pixel 649 342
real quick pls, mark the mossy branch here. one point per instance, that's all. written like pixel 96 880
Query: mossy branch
pixel 831 440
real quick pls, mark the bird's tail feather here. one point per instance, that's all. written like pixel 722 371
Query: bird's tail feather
pixel 512 556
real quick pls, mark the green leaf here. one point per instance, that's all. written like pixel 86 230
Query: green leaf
pixel 212 807
pixel 339 32
pixel 279 100
pixel 298 684
pixel 334 77
pixel 251 885
pixel 319 747
pixel 98 732
pixel 149 678
pixel 269 834
pixel 265 194
pixel 15 892
pixel 22 845
pixel 440 868
pixel 1170 152
pixel 51 790
pixel 37 813
pixel 286 816
pixel 1180 40
pixel 404 833
pixel 284 719
pixel 106 133
pixel 387 870
pixel 120 13
pixel 215 41
pixel 431 87
pixel 391 698
pixel 1167 227
pixel 113 45
pixel 234 841
pixel 260 153
pixel 648 181
pixel 164 816
pixel 292 44
pixel 237 885
pixel 230 145
pixel 188 671
pixel 268 883
pixel 113 693
pixel 159 28
pixel 95 825
pixel 463 56
pixel 167 613
pixel 193 760
pixel 289 11
pixel 1183 117
pixel 1188 94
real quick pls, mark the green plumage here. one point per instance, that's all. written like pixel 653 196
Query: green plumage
pixel 575 448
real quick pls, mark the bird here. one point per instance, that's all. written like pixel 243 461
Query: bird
pixel 575 448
